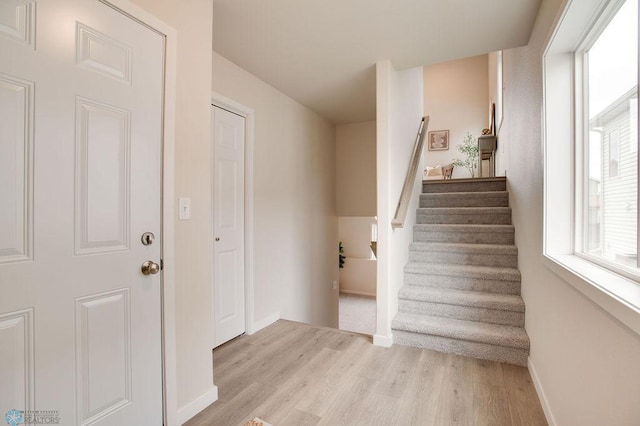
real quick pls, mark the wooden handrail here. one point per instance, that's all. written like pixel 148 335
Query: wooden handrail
pixel 405 195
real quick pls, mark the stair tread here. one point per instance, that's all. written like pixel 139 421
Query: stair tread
pixel 465 185
pixel 510 249
pixel 468 179
pixel 476 194
pixel 464 199
pixel 474 271
pixel 501 335
pixel 463 227
pixel 505 302
pixel 464 210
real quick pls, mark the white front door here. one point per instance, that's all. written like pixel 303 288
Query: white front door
pixel 228 225
pixel 81 101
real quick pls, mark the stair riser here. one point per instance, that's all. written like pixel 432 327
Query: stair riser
pixel 445 272
pixel 462 347
pixel 475 186
pixel 470 219
pixel 468 313
pixel 463 283
pixel 464 237
pixel 496 260
pixel 430 201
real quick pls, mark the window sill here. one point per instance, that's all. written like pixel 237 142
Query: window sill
pixel 617 295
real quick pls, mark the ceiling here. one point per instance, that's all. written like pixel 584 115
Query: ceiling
pixel 323 53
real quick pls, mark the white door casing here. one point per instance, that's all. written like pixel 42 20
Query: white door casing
pixel 228 225
pixel 81 103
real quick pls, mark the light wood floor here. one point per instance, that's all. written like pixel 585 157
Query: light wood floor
pixel 295 374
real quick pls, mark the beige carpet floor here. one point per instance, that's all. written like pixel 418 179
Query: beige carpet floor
pixel 358 314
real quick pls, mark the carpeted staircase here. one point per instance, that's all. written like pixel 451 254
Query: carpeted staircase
pixel 461 290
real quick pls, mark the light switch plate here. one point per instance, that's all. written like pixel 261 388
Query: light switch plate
pixel 184 205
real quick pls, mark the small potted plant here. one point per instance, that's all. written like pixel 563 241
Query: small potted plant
pixel 469 148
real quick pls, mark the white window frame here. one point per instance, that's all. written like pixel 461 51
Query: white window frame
pixel 593 32
pixel 564 151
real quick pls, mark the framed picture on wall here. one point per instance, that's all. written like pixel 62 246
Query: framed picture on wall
pixel 438 140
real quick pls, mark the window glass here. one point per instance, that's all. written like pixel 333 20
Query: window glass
pixel 611 211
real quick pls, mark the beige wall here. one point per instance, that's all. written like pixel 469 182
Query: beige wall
pixel 295 228
pixel 194 327
pixel 356 169
pixel 399 107
pixel 456 98
pixel 585 360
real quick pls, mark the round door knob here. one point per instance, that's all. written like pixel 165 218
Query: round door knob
pixel 150 268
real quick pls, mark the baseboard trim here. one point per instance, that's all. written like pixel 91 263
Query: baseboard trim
pixel 264 322
pixel 541 395
pixel 384 341
pixel 357 293
pixel 194 407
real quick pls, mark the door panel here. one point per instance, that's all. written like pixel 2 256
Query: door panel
pixel 17 20
pixel 228 225
pixel 16 133
pixel 104 354
pixel 16 359
pixel 103 170
pixel 100 53
pixel 226 306
pixel 228 191
pixel 80 166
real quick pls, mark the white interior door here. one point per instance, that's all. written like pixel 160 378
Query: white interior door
pixel 80 170
pixel 228 224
